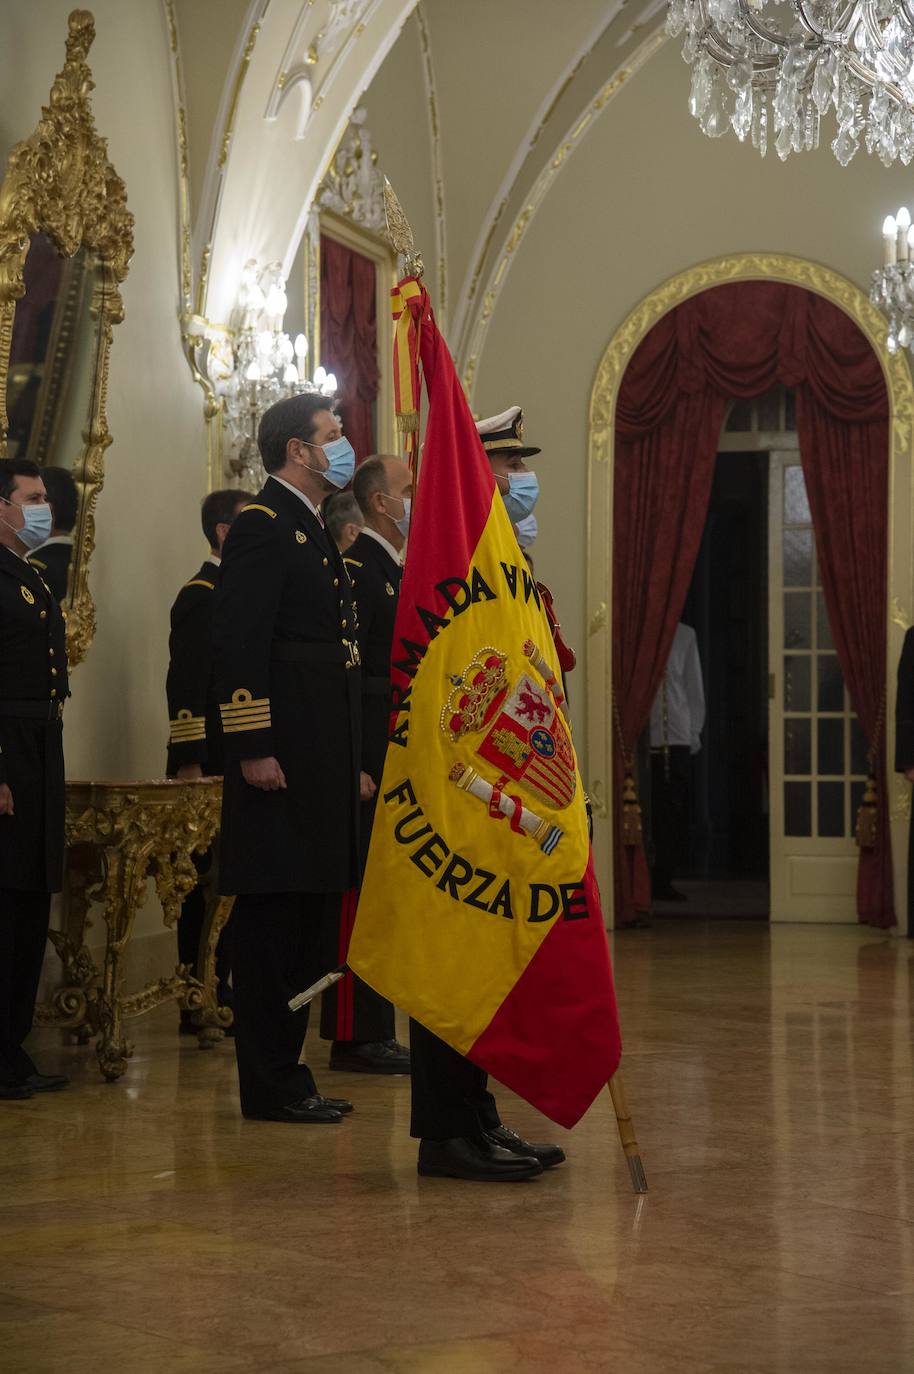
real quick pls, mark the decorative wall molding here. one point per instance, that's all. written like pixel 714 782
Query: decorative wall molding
pixel 478 322
pixel 434 135
pixel 479 255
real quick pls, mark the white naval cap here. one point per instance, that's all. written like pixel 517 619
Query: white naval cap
pixel 504 433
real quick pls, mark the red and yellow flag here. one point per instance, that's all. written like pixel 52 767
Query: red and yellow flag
pixel 479 913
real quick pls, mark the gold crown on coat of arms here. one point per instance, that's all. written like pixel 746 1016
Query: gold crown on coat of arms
pixel 473 692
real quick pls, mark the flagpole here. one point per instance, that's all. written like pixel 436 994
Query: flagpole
pixel 401 239
pixel 627 1134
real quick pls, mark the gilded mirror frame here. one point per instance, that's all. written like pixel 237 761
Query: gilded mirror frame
pixel 60 182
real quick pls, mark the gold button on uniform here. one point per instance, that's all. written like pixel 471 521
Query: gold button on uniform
pixel 326 561
pixel 42 615
pixel 336 582
pixel 51 652
pixel 53 672
pixel 53 691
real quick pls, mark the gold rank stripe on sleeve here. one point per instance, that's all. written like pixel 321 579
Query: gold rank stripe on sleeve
pixel 254 506
pixel 201 582
pixel 186 728
pixel 243 712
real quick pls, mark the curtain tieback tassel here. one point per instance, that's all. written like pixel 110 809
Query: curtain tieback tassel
pixel 867 816
pixel 631 813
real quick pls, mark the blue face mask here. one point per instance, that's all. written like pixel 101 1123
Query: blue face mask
pixel 37 527
pixel 340 457
pixel 402 521
pixel 522 494
pixel 526 531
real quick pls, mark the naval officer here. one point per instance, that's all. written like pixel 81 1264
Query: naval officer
pixel 287 664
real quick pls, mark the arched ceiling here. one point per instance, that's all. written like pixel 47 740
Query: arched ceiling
pixel 265 89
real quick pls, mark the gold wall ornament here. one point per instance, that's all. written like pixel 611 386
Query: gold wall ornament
pixel 353 185
pixel 60 182
pixel 119 836
pixel 850 298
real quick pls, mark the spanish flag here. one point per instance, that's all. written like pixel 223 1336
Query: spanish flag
pixel 479 912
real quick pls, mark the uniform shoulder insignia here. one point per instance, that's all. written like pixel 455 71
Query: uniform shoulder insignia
pixel 301 536
pixel 389 589
pixel 255 505
pixel 200 582
pixel 27 596
pixel 352 562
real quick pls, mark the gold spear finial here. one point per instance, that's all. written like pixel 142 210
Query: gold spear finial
pixel 400 233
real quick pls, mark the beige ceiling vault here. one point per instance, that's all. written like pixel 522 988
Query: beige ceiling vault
pixel 252 156
pixel 621 45
pixel 264 90
pixel 512 175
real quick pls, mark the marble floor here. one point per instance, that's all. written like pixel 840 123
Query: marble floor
pixel 146 1229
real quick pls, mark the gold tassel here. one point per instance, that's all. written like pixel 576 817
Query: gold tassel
pixel 408 422
pixel 866 816
pixel 631 813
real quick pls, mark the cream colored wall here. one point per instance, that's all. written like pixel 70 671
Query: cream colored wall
pixel 397 115
pixel 647 196
pixel 147 516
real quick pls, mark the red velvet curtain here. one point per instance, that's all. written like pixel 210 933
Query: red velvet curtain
pixel 349 338
pixel 739 340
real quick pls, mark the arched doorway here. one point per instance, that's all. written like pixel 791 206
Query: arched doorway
pixel 850 300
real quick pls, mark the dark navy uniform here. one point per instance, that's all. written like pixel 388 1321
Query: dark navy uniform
pixel 33 687
pixel 195 736
pixel 52 561
pixel 287 665
pixel 195 731
pixel 352 1010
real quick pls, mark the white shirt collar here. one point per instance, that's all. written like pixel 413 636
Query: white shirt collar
pixel 57 539
pixel 385 543
pixel 214 559
pixel 300 494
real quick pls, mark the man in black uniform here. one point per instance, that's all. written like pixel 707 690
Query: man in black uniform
pixel 287 665
pixel 33 687
pixel 52 558
pixel 454 1116
pixel 359 1021
pixel 904 747
pixel 195 733
pixel 343 518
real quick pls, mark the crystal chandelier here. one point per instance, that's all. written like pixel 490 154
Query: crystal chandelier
pixel 259 364
pixel 772 69
pixel 893 283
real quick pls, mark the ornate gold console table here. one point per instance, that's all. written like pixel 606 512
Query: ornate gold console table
pixel 119 835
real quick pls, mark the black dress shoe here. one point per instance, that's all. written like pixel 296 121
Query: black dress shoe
pixel 309 1111
pixel 46 1082
pixel 377 1056
pixel 14 1092
pixel 548 1155
pixel 477 1160
pixel 338 1104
